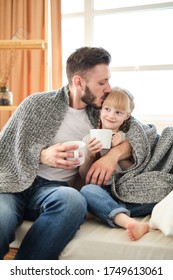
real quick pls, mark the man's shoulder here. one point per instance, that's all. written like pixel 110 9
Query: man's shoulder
pixel 46 98
pixel 48 94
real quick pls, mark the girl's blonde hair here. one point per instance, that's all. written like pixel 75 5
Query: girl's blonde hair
pixel 121 99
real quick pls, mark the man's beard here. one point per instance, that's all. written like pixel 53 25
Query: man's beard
pixel 89 98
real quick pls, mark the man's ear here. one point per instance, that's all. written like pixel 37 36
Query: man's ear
pixel 79 82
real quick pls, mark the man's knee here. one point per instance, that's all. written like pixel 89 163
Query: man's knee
pixel 70 200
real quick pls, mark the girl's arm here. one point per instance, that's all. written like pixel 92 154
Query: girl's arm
pixel 83 169
pixel 118 138
pixel 94 146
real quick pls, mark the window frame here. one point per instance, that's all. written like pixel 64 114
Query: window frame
pixel 89 13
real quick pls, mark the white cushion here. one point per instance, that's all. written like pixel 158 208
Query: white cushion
pixel 162 215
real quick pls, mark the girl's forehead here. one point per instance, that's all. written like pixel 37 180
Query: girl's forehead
pixel 115 108
pixel 118 103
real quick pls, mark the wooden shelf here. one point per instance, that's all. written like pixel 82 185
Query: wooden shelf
pixel 22 44
pixel 8 108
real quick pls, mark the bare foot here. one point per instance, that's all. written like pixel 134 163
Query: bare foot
pixel 136 230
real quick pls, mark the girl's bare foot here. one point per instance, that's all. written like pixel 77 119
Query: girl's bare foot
pixel 136 230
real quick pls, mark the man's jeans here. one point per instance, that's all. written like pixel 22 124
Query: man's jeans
pixel 58 212
pixel 105 207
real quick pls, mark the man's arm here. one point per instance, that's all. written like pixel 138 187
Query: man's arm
pixel 102 169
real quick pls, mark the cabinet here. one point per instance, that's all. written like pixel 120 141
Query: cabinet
pixel 8 112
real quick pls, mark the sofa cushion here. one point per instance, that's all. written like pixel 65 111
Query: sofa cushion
pixel 162 215
pixel 96 241
pixel 100 242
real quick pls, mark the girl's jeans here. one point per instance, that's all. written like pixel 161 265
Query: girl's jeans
pixel 105 207
pixel 58 212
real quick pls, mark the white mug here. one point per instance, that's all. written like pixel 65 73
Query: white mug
pixel 104 135
pixel 81 149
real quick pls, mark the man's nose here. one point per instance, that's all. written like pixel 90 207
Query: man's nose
pixel 108 87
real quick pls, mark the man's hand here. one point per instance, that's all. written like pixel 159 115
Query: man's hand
pixel 102 169
pixel 55 156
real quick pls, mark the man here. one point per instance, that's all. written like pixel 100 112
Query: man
pixel 35 177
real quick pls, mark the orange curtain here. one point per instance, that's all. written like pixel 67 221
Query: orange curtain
pixel 28 73
pixel 56 44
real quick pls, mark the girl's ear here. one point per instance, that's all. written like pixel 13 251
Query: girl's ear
pixel 128 116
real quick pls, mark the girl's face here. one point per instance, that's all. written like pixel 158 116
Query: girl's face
pixel 112 118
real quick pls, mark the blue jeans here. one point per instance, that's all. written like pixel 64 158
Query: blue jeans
pixel 58 212
pixel 103 205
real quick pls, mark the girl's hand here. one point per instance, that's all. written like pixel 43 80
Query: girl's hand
pixel 117 138
pixel 94 146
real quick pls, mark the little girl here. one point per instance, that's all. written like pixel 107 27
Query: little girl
pixel 116 109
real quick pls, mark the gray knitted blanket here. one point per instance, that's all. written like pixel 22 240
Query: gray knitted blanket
pixel 29 130
pixel 151 177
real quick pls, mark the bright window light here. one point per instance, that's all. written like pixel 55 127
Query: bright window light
pixel 112 4
pixel 138 36
pixel 152 90
pixel 72 36
pixel 69 6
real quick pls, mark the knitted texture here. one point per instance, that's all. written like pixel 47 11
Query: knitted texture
pixel 150 178
pixel 29 130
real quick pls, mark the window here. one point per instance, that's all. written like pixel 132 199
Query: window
pixel 138 34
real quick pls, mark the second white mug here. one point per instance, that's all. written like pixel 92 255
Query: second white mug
pixel 104 135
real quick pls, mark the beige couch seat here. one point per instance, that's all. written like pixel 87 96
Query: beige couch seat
pixel 96 241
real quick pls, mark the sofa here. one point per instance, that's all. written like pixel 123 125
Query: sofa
pixel 96 241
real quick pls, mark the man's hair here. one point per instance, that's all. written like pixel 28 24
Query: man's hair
pixel 84 59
